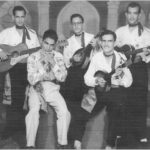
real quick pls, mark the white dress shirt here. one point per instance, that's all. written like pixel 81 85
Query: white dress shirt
pixel 73 46
pixel 10 36
pixel 125 36
pixel 99 63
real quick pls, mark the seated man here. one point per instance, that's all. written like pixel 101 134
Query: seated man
pixel 107 60
pixel 45 70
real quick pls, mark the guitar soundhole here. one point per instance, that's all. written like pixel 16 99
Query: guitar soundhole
pixel 15 54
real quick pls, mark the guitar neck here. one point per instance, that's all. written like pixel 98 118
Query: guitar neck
pixel 89 47
pixel 136 51
pixel 30 51
pixel 120 66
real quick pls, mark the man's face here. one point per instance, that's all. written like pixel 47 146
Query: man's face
pixel 19 18
pixel 77 25
pixel 48 44
pixel 132 15
pixel 107 43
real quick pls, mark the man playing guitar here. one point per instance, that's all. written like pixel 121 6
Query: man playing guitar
pixel 108 60
pixel 138 36
pixel 18 37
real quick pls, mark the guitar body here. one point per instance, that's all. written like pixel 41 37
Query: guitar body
pixel 81 55
pixel 127 50
pixel 10 49
pixel 14 58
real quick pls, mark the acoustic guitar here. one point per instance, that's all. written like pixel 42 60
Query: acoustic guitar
pixel 19 52
pixel 129 50
pixel 15 57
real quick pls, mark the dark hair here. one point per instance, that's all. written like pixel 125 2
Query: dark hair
pixel 50 34
pixel 107 32
pixel 76 15
pixel 19 8
pixel 133 5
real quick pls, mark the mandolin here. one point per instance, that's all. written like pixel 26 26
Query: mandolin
pixel 82 54
pixel 107 77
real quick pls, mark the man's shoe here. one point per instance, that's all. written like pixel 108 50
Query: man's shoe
pixel 108 147
pixel 59 146
pixel 29 147
pixel 144 140
pixel 77 144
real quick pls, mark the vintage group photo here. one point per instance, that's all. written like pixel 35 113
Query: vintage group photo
pixel 74 74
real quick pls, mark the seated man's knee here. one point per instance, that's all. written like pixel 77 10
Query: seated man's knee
pixel 64 112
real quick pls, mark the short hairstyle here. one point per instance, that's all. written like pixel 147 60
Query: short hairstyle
pixel 108 32
pixel 76 15
pixel 19 8
pixel 50 34
pixel 133 5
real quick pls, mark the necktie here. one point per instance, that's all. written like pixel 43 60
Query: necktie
pixel 25 33
pixel 140 27
pixel 82 40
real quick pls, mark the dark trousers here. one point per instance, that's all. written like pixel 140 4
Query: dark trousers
pixel 2 80
pixel 15 116
pixel 114 101
pixel 73 91
pixel 137 101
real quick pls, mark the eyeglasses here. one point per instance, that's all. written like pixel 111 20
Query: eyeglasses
pixel 76 23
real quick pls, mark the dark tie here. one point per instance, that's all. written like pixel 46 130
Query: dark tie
pixel 82 40
pixel 140 27
pixel 25 35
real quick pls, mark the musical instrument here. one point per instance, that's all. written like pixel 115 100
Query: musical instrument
pixel 107 77
pixel 129 50
pixel 16 57
pixel 82 54
pixel 19 52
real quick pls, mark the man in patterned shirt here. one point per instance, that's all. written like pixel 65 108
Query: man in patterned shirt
pixel 45 70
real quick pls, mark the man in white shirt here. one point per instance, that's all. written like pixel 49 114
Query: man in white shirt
pixel 106 61
pixel 138 36
pixel 19 37
pixel 79 39
pixel 74 85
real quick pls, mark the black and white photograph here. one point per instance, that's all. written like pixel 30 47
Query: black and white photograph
pixel 74 74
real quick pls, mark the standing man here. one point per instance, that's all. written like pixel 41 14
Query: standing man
pixel 138 36
pixel 46 69
pixel 19 37
pixel 106 61
pixel 74 85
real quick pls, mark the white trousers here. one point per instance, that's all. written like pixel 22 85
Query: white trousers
pixel 53 97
